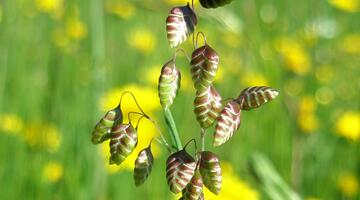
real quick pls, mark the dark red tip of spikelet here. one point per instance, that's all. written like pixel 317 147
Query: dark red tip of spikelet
pixel 180 168
pixel 227 123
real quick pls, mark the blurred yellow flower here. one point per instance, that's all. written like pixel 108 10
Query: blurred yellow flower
pixel 348 125
pixel 253 79
pixel 232 187
pixel 142 39
pixel 307 119
pixel 44 136
pixel 348 184
pixel 346 5
pixel 76 29
pixel 146 131
pixel 351 44
pixel 123 9
pixel 147 97
pixel 11 123
pixel 52 172
pixel 53 7
pixel 296 59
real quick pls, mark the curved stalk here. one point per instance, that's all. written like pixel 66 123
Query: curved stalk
pixel 174 135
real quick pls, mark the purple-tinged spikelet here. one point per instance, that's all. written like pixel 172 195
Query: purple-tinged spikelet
pixel 227 123
pixel 180 23
pixel 214 3
pixel 194 189
pixel 123 141
pixel 180 168
pixel 143 166
pixel 254 97
pixel 204 65
pixel 102 129
pixel 211 171
pixel 207 106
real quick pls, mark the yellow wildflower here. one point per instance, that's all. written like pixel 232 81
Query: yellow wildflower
pixel 232 187
pixel 348 184
pixel 346 5
pixel 253 79
pixel 142 39
pixel 76 29
pixel 307 119
pixel 53 7
pixel 53 171
pixel 348 125
pixel 124 9
pixel 351 44
pixel 147 97
pixel 43 136
pixel 146 131
pixel 10 123
pixel 295 57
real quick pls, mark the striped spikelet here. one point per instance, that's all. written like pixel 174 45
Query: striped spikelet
pixel 169 83
pixel 254 97
pixel 214 3
pixel 143 166
pixel 180 168
pixel 211 171
pixel 123 141
pixel 204 65
pixel 207 106
pixel 194 189
pixel 103 127
pixel 180 24
pixel 228 123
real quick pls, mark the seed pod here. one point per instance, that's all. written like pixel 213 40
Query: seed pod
pixel 207 106
pixel 180 168
pixel 180 24
pixel 214 3
pixel 227 123
pixel 204 65
pixel 194 189
pixel 254 97
pixel 211 171
pixel 143 166
pixel 169 83
pixel 123 141
pixel 103 127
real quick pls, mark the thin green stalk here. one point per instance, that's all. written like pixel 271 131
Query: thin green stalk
pixel 174 135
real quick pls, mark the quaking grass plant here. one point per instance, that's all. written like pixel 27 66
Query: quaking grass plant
pixel 185 173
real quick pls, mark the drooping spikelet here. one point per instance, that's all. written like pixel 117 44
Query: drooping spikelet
pixel 123 141
pixel 227 123
pixel 214 3
pixel 194 189
pixel 143 166
pixel 180 23
pixel 207 106
pixel 169 83
pixel 254 97
pixel 102 129
pixel 211 171
pixel 180 168
pixel 204 65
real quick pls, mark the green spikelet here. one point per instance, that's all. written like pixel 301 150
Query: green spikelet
pixel 214 3
pixel 210 171
pixel 204 65
pixel 102 129
pixel 123 142
pixel 207 106
pixel 169 83
pixel 254 97
pixel 194 189
pixel 143 166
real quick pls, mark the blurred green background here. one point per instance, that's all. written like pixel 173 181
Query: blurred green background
pixel 63 64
